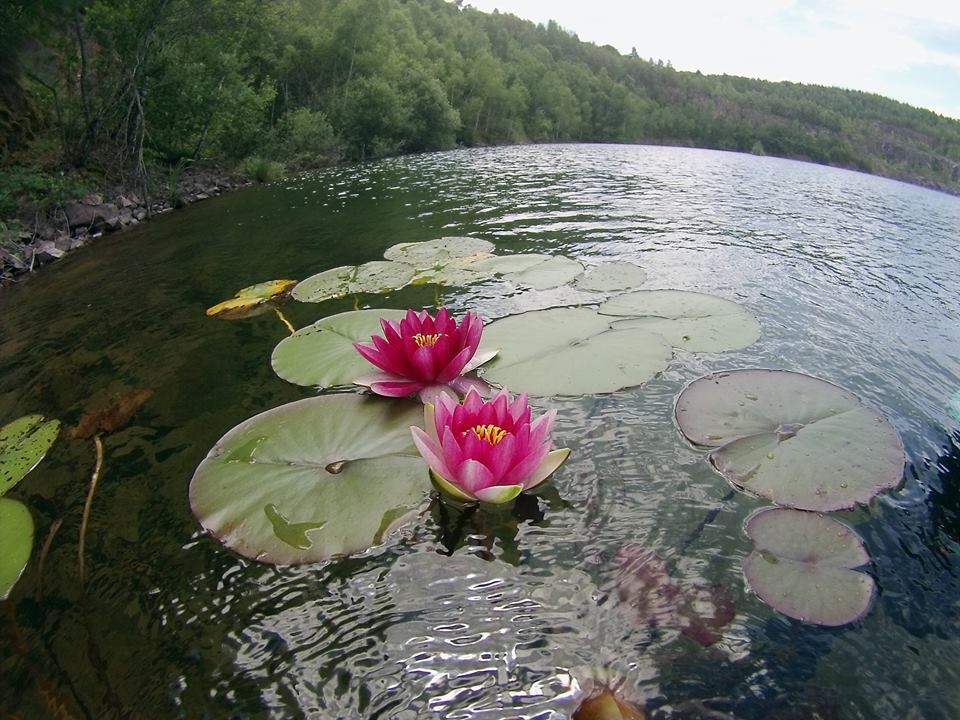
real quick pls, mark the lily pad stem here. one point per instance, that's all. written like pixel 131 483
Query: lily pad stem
pixel 48 543
pixel 86 507
pixel 283 319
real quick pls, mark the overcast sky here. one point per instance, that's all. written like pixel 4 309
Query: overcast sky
pixel 905 49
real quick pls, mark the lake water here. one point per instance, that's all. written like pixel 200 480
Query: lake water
pixel 503 614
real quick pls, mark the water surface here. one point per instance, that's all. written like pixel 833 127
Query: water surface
pixel 504 613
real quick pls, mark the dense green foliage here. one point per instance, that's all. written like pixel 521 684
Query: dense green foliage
pixel 115 86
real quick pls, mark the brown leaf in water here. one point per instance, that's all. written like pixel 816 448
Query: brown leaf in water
pixel 653 598
pixel 110 418
pixel 604 704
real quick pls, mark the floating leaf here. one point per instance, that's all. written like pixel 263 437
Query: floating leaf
pixel 653 598
pixel 689 320
pixel 23 443
pixel 16 539
pixel 111 417
pixel 312 480
pixel 538 271
pixel 322 355
pixel 439 252
pixel 570 351
pixel 803 566
pixel 252 300
pixel 612 276
pixel 377 276
pixel 795 439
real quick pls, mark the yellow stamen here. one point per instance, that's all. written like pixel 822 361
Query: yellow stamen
pixel 426 340
pixel 491 433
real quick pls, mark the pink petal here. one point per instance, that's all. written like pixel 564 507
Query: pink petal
pixel 396 388
pixel 472 476
pixel 463 385
pixel 430 451
pixel 449 488
pixel 423 360
pixel 454 366
pixel 547 467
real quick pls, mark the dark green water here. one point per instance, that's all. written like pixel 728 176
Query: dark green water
pixel 853 278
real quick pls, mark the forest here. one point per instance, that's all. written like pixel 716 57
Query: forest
pixel 94 92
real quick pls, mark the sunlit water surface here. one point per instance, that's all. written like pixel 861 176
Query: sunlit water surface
pixel 500 614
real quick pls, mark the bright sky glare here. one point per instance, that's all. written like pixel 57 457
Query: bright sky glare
pixel 908 50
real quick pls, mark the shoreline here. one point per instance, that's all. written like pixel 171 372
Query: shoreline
pixel 46 237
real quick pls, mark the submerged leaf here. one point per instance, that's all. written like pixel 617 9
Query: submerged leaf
pixel 800 441
pixel 313 479
pixel 605 704
pixel 803 566
pixel 23 444
pixel 653 598
pixel 16 539
pixel 112 417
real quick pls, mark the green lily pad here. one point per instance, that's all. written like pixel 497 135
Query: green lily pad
pixel 689 320
pixel 570 351
pixel 441 251
pixel 377 276
pixel 610 276
pixel 16 539
pixel 312 480
pixel 457 272
pixel 322 355
pixel 800 441
pixel 23 443
pixel 540 272
pixel 803 566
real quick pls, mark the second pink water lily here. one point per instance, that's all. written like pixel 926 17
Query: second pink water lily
pixel 425 355
pixel 489 451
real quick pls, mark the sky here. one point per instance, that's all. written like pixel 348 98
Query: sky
pixel 908 50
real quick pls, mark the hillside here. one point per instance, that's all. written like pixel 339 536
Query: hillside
pixel 104 91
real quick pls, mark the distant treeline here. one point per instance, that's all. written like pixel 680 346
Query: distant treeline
pixel 117 87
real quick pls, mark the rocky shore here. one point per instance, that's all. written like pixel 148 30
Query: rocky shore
pixel 45 237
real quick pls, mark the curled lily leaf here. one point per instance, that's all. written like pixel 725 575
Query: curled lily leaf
pixel 487 451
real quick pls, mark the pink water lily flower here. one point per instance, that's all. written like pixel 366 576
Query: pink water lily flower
pixel 489 451
pixel 425 355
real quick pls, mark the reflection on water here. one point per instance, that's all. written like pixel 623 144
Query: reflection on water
pixel 477 613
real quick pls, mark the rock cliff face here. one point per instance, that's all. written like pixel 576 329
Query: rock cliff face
pixel 74 224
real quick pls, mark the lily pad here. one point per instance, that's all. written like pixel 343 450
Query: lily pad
pixel 690 320
pixel 610 276
pixel 433 252
pixel 540 272
pixel 322 355
pixel 312 480
pixel 16 539
pixel 803 566
pixel 570 351
pixel 23 443
pixel 377 276
pixel 800 441
pixel 252 300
